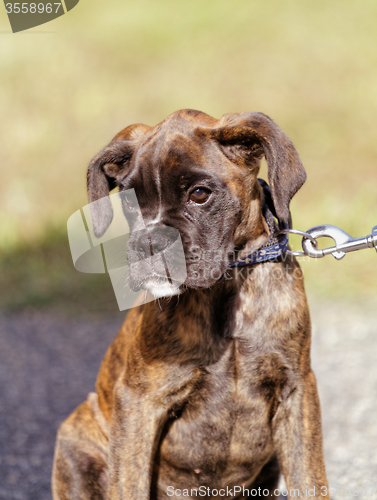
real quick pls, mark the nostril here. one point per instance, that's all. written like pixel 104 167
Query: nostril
pixel 144 248
pixel 141 250
pixel 159 246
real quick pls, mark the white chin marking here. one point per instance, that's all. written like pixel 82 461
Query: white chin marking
pixel 159 290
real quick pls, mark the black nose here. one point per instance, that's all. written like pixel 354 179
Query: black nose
pixel 154 241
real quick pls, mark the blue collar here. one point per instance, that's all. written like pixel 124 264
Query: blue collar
pixel 275 246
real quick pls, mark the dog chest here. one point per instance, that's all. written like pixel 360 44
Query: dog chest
pixel 224 429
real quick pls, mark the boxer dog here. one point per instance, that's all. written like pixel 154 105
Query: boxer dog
pixel 207 391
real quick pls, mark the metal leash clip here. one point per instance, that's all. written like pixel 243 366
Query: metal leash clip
pixel 343 241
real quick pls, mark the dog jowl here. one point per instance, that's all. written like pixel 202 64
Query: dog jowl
pixel 211 387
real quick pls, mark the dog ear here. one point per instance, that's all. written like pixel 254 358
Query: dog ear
pixel 105 171
pixel 249 136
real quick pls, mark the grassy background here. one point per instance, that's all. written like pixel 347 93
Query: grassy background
pixel 69 86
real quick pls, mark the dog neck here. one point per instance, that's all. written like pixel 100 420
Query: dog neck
pixel 198 325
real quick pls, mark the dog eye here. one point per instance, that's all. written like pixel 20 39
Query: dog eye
pixel 129 201
pixel 200 195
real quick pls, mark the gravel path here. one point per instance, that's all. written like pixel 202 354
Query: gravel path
pixel 344 359
pixel 48 366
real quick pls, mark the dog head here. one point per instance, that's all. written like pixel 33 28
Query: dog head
pixel 194 176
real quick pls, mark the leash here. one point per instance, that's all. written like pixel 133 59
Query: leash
pixel 344 243
pixel 278 241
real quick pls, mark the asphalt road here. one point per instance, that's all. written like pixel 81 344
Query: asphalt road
pixel 47 367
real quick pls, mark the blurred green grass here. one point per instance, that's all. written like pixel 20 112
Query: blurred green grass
pixel 311 66
pixel 40 275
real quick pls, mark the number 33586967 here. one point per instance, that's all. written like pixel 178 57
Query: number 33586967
pixel 33 8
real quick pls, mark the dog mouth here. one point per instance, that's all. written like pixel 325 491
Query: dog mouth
pixel 161 287
pixel 156 261
pixel 157 275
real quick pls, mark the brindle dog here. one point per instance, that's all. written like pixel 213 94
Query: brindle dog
pixel 210 389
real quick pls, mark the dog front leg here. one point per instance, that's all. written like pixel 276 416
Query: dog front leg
pixel 139 416
pixel 297 435
pixel 136 429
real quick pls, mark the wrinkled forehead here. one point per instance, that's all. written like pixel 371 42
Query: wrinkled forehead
pixel 177 152
pixel 172 145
